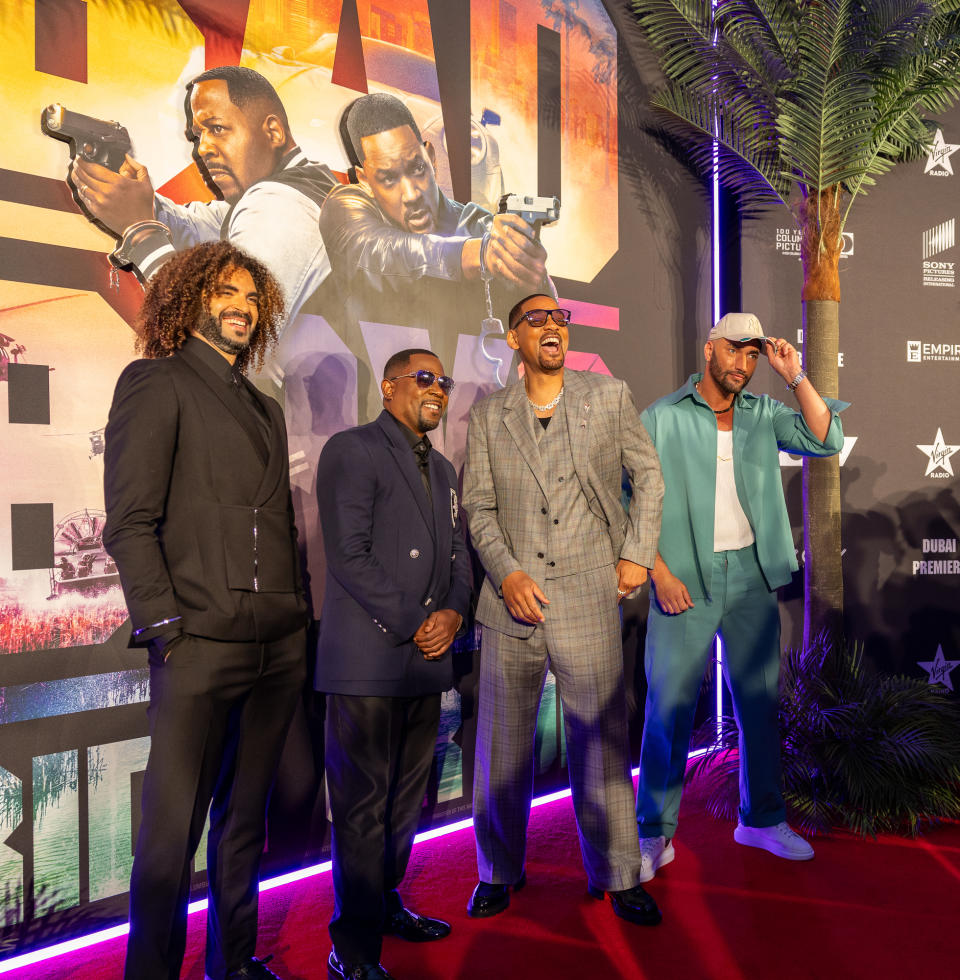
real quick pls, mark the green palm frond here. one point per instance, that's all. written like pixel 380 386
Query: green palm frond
pixel 868 752
pixel 803 94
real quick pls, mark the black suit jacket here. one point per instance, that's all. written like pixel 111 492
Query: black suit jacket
pixel 392 559
pixel 199 519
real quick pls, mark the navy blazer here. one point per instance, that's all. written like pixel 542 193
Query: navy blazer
pixel 392 559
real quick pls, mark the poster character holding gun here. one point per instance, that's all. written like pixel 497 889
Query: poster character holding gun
pixel 268 193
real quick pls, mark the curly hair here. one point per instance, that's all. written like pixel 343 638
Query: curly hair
pixel 180 293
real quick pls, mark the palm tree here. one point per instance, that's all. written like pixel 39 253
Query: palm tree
pixel 806 102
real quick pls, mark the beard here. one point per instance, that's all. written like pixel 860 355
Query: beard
pixel 724 382
pixel 211 328
pixel 428 424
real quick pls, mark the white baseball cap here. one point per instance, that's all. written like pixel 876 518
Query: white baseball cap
pixel 740 327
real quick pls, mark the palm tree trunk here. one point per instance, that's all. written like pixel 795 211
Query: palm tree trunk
pixel 823 570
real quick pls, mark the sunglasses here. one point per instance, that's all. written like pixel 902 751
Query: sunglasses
pixel 425 379
pixel 537 318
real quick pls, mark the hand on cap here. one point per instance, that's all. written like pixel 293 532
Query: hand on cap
pixel 783 358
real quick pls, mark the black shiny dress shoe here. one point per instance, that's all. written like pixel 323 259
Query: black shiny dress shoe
pixel 254 969
pixel 632 904
pixel 415 928
pixel 362 971
pixel 488 900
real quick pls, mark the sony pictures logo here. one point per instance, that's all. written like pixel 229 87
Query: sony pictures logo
pixel 940 238
pixel 787 243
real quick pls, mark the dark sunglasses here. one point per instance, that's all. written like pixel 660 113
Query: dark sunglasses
pixel 537 318
pixel 425 379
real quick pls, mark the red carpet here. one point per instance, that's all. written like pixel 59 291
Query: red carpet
pixel 860 909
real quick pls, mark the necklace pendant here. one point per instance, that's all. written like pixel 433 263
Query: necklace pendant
pixel 549 405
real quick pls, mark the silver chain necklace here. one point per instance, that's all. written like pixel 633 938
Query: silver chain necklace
pixel 549 405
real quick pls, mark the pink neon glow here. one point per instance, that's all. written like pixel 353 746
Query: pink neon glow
pixel 592 314
pixel 579 360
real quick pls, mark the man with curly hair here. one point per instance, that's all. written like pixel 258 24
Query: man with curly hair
pixel 200 525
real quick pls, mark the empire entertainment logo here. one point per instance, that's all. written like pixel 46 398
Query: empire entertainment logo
pixel 938 157
pixel 919 351
pixel 938 566
pixel 938 456
pixel 787 243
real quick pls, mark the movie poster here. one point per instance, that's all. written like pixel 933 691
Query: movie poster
pixel 521 100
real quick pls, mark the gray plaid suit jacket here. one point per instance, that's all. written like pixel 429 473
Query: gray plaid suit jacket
pixel 504 484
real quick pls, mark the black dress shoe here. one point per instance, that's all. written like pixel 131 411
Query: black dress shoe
pixel 362 971
pixel 632 904
pixel 415 928
pixel 254 969
pixel 488 900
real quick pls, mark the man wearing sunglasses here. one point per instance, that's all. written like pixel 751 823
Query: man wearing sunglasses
pixel 542 491
pixel 398 587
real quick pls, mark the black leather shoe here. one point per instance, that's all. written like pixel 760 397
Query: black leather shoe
pixel 632 904
pixel 488 900
pixel 254 969
pixel 415 928
pixel 362 971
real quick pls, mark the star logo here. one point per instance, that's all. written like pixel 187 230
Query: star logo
pixel 939 154
pixel 939 668
pixel 938 455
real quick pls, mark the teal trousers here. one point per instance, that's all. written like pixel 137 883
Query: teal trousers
pixel 746 615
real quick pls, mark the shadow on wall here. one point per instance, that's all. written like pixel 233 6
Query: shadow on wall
pixel 898 612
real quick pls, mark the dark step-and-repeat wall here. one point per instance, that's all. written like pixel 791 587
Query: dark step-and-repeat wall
pixel 899 367
pixel 534 97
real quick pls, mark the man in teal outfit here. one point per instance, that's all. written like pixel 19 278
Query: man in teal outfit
pixel 725 548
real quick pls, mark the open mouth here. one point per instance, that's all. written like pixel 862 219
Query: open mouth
pixel 551 345
pixel 419 220
pixel 432 407
pixel 236 322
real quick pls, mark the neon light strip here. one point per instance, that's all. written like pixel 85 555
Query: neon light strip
pixel 715 200
pixel 719 706
pixel 115 932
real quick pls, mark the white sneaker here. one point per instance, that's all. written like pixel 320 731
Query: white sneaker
pixel 655 852
pixel 779 840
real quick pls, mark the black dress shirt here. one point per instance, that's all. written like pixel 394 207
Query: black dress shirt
pixel 240 389
pixel 421 449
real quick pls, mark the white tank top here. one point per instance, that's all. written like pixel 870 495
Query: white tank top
pixel 731 529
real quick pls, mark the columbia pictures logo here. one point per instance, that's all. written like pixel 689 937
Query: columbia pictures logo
pixel 787 242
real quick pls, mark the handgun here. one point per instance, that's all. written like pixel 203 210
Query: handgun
pixel 536 211
pixel 97 140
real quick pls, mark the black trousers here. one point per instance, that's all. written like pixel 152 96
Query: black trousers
pixel 378 756
pixel 219 713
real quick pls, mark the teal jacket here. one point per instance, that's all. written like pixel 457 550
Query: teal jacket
pixel 684 430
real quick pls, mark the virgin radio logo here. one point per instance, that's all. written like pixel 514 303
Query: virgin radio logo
pixel 938 454
pixel 938 157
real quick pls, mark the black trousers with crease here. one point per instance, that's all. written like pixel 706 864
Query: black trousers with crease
pixel 379 751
